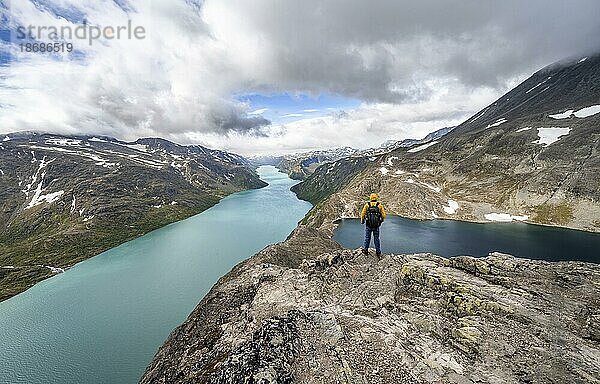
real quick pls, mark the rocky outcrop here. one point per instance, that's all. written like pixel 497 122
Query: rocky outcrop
pixel 306 311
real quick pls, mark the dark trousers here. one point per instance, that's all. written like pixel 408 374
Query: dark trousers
pixel 375 232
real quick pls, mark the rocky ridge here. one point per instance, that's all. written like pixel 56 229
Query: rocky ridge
pixel 306 311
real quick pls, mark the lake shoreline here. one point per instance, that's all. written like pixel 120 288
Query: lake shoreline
pixel 336 221
pixel 182 214
pixel 451 238
pixel 127 239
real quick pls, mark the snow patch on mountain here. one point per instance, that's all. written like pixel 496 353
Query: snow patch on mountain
pixel 383 170
pixel 422 147
pixel 88 218
pixel 497 123
pixel 504 217
pixel 92 156
pixel 581 113
pixel 551 135
pixel 562 115
pixel 97 140
pixel 531 89
pixel 523 129
pixel 538 84
pixel 137 147
pixel 588 111
pixel 52 269
pixel 38 198
pixel 432 187
pixel 39 173
pixel 452 207
pixel 73 204
pixel 478 116
pixel 64 142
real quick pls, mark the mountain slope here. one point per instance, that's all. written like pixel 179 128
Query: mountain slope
pixel 569 84
pixel 518 159
pixel 301 165
pixel 390 145
pixel 64 199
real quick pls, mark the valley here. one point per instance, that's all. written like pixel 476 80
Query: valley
pixel 102 320
pixel 274 192
pixel 308 311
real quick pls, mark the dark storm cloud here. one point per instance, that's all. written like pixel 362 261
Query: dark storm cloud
pixel 382 50
pixel 235 122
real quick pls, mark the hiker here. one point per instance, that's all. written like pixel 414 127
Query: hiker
pixel 373 215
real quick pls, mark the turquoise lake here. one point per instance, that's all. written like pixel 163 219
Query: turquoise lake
pixel 102 320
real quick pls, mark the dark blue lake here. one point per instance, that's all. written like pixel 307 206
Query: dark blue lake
pixel 453 238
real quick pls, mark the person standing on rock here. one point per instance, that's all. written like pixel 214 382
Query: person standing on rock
pixel 373 215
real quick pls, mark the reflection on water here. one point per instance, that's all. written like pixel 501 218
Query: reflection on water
pixel 454 238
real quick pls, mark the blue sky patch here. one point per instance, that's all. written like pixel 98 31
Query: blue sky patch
pixel 72 15
pixel 285 107
pixel 124 5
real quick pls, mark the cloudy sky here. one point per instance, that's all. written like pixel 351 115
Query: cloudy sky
pixel 259 76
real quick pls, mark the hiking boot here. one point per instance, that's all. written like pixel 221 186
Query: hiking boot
pixel 378 254
pixel 365 251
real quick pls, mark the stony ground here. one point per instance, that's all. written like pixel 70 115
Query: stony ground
pixel 306 311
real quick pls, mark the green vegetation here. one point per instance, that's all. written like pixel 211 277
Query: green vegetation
pixel 62 244
pixel 316 210
pixel 329 179
pixel 560 214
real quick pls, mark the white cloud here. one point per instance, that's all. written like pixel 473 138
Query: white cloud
pixel 178 79
pixel 369 125
pixel 420 67
pixel 293 115
pixel 258 111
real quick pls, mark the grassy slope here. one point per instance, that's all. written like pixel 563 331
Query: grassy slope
pixel 63 245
